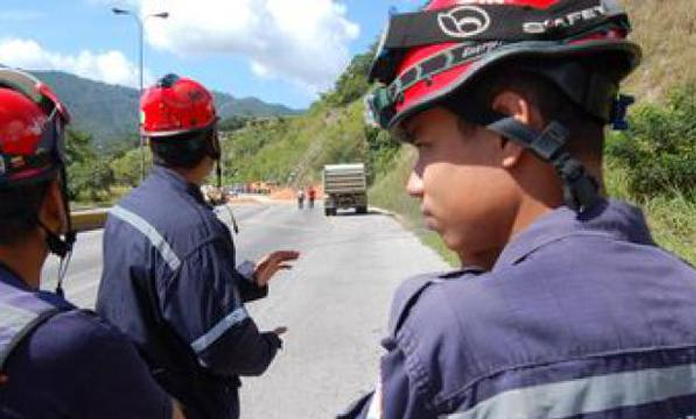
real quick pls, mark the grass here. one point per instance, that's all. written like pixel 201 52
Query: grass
pixel 666 30
pixel 672 218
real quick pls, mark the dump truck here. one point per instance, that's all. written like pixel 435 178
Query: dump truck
pixel 345 186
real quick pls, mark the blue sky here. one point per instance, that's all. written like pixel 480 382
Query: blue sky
pixel 283 51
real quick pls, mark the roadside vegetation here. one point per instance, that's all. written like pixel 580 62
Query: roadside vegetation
pixel 653 164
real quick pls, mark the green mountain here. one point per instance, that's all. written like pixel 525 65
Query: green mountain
pixel 109 112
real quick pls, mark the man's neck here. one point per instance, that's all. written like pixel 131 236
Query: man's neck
pixel 26 260
pixel 529 212
pixel 195 175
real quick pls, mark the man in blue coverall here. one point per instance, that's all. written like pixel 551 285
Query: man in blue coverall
pixel 55 361
pixel 564 306
pixel 170 281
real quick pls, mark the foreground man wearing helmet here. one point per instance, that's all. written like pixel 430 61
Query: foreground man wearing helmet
pixel 55 360
pixel 564 306
pixel 169 279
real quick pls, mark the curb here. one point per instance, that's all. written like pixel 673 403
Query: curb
pixel 382 211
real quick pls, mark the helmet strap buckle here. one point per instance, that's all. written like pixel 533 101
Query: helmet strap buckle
pixel 551 141
pixel 580 189
pixel 619 110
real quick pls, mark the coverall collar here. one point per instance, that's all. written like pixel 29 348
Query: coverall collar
pixel 174 180
pixel 607 217
pixel 10 277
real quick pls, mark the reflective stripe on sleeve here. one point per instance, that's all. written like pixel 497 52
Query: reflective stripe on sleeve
pixel 156 239
pixel 587 395
pixel 231 320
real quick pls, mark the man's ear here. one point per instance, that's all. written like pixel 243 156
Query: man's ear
pixel 513 104
pixel 51 212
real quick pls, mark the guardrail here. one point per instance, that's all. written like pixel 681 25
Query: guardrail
pixel 94 219
pixel 89 219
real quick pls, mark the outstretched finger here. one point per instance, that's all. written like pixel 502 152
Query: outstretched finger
pixel 286 255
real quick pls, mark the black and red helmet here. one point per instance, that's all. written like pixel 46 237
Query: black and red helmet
pixel 427 55
pixel 32 122
pixel 431 57
pixel 176 105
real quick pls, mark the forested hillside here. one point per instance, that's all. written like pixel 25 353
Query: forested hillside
pixel 109 112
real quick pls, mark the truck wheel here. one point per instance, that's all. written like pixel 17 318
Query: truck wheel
pixel 329 211
pixel 361 210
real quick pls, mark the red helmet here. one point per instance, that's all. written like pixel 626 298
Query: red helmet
pixel 176 105
pixel 425 56
pixel 32 120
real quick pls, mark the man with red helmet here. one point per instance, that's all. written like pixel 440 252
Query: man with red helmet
pixel 169 279
pixel 312 195
pixel 564 307
pixel 52 355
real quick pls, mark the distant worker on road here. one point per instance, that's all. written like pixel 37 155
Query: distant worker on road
pixel 300 198
pixel 170 279
pixel 564 306
pixel 56 361
pixel 312 194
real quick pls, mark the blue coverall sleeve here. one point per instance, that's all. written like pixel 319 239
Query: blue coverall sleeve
pixel 398 393
pixel 247 287
pixel 203 304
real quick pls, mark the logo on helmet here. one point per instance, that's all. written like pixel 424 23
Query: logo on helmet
pixel 567 21
pixel 464 21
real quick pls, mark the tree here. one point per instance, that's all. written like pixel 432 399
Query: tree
pixel 89 176
pixel 659 150
pixel 126 168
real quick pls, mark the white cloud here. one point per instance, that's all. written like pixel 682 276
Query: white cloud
pixel 110 66
pixel 305 41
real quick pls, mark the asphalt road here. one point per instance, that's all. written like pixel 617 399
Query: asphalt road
pixel 334 302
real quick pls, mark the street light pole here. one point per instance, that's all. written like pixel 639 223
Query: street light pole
pixel 141 29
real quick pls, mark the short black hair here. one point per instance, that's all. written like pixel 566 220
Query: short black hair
pixel 586 131
pixel 183 150
pixel 19 209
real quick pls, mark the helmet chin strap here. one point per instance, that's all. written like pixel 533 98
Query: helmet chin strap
pixel 212 149
pixel 215 152
pixel 580 189
pixel 58 246
pixel 61 247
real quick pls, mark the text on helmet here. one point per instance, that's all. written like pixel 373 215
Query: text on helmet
pixel 567 21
